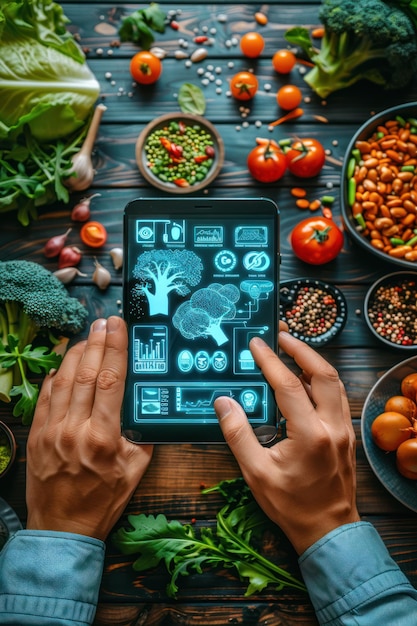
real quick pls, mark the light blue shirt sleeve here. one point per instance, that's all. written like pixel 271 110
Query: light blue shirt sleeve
pixel 50 578
pixel 353 581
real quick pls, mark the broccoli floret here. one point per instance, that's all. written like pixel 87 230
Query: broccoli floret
pixel 33 303
pixel 363 39
pixel 203 313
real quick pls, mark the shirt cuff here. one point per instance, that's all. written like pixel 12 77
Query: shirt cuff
pixel 348 568
pixel 49 578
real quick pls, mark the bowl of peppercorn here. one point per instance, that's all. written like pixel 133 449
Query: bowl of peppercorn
pixel 180 153
pixel 390 310
pixel 314 310
pixel 378 186
pixel 7 449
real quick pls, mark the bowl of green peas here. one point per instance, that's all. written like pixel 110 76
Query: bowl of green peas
pixel 379 186
pixel 180 153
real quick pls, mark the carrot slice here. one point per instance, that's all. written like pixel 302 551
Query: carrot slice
pixel 298 112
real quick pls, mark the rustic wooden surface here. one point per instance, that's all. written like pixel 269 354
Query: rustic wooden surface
pixel 172 483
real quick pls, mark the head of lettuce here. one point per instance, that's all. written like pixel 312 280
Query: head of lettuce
pixel 45 83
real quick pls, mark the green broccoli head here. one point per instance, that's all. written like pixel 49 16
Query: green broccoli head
pixel 42 296
pixel 364 39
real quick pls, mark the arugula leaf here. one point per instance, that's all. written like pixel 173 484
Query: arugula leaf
pixel 25 407
pixel 183 548
pixel 38 360
pixel 139 26
pixel 191 99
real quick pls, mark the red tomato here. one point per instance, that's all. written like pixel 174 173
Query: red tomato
pixel 390 429
pixel 289 97
pixel 305 157
pixel 252 44
pixel 407 459
pixel 145 67
pixel 283 61
pixel 316 240
pixel 244 85
pixel 93 234
pixel 266 162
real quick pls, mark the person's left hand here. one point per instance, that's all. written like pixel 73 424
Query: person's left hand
pixel 81 471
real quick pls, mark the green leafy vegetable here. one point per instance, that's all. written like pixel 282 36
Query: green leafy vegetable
pixel 34 306
pixel 191 99
pixel 381 48
pixel 47 96
pixel 139 26
pixel 44 80
pixel 183 548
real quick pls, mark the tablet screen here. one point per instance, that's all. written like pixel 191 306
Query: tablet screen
pixel 200 280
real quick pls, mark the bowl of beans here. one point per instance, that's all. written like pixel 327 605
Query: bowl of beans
pixel 390 310
pixel 314 310
pixel 379 186
pixel 180 153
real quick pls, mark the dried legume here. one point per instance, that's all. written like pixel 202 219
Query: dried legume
pixel 382 188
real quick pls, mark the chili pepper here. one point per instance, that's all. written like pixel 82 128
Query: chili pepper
pixel 200 39
pixel 200 158
pixel 174 24
pixel 166 143
pixel 181 182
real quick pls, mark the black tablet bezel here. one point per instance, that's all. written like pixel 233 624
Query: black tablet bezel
pixel 238 212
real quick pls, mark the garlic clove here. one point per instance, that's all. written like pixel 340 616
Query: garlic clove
pixel 101 276
pixel 67 274
pixel 117 257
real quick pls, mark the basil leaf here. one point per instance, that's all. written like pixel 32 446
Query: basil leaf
pixel 191 99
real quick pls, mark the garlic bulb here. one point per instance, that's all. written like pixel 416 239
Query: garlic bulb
pixel 82 172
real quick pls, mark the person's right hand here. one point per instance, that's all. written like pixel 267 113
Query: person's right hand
pixel 305 483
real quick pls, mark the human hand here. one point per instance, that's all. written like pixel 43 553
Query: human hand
pixel 81 472
pixel 305 483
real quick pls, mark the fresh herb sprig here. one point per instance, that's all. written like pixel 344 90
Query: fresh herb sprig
pixel 139 27
pixel 32 173
pixel 183 547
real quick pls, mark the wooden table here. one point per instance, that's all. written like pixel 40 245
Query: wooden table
pixel 172 484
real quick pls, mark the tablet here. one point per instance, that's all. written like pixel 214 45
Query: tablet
pixel 201 278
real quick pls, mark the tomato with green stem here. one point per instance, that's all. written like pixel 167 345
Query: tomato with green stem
pixel 267 162
pixel 145 67
pixel 243 85
pixel 305 157
pixel 316 240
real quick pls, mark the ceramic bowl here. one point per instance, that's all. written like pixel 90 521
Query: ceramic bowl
pixel 405 111
pixel 381 462
pixel 390 310
pixel 206 165
pixel 7 449
pixel 303 304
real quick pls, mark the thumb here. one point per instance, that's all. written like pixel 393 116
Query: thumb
pixel 237 431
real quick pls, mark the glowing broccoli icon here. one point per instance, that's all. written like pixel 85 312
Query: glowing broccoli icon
pixel 203 313
pixel 163 271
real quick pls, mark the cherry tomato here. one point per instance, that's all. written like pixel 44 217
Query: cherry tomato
pixel 252 44
pixel 283 61
pixel 316 240
pixel 289 97
pixel 244 85
pixel 390 429
pixel 145 67
pixel 407 459
pixel 403 405
pixel 305 157
pixel 409 386
pixel 93 234
pixel 266 162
